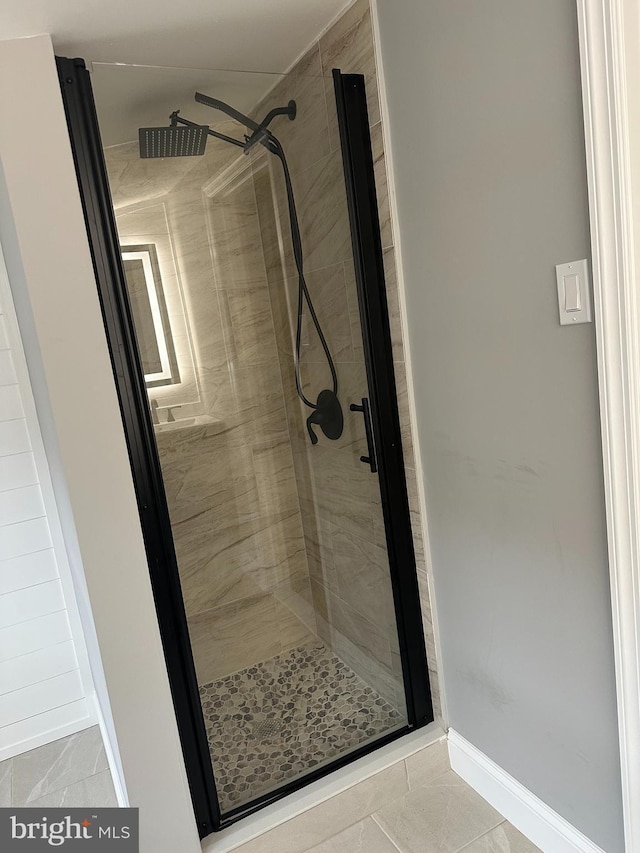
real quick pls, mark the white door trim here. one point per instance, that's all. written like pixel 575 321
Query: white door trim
pixel 617 326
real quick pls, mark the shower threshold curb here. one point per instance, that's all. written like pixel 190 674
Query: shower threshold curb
pixel 318 792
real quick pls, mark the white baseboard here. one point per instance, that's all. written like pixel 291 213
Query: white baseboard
pixel 540 824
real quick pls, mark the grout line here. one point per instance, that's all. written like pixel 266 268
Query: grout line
pixel 29 803
pixel 384 832
pixel 488 832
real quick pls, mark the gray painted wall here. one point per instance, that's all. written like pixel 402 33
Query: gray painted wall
pixel 488 153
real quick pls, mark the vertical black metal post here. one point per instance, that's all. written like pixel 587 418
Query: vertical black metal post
pixel 357 157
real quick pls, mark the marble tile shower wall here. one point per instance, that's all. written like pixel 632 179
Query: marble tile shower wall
pixel 339 498
pixel 230 485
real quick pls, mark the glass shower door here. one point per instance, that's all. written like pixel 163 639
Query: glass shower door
pixel 262 422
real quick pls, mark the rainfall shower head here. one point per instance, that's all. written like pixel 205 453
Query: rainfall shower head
pixel 173 141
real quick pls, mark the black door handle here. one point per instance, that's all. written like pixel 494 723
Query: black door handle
pixel 371 447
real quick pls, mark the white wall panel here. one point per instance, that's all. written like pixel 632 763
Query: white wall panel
pixel 44 675
pixel 38 666
pixel 17 471
pixel 21 504
pixel 34 731
pixel 14 437
pixel 4 340
pixel 26 604
pixel 26 637
pixel 7 370
pixel 38 698
pixel 10 402
pixel 27 570
pixel 24 538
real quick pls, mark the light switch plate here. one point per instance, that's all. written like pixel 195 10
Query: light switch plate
pixel 574 293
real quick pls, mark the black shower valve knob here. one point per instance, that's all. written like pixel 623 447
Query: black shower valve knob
pixel 327 415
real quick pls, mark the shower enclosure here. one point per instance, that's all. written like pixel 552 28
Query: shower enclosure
pixel 245 308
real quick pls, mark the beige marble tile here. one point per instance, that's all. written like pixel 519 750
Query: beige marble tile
pixel 57 765
pixel 343 622
pixel 146 221
pixel 354 312
pixel 220 155
pixel 402 395
pixel 348 45
pixel 234 513
pixel 352 387
pixel 294 410
pixel 236 241
pixel 439 817
pixel 416 518
pixel 427 764
pixel 322 206
pixel 344 489
pixel 95 791
pixel 319 549
pixel 251 335
pixel 320 823
pixel 306 139
pixel 282 549
pixel 229 638
pixel 271 202
pixel 218 393
pixel 377 675
pixel 284 309
pixel 382 192
pixel 294 592
pixel 363 837
pixel 328 292
pixel 293 631
pixel 260 402
pixel 244 560
pixel 275 476
pixel 432 660
pixel 133 180
pixel 310 63
pixel 211 580
pixel 218 477
pixel 364 580
pixel 6 774
pixel 393 302
pixel 397 675
pixel 503 839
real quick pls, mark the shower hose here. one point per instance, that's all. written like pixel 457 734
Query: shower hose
pixel 272 144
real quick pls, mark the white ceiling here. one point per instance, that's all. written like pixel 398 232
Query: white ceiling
pixel 249 35
pixel 238 35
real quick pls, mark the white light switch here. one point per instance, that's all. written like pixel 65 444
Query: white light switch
pixel 571 293
pixel 574 299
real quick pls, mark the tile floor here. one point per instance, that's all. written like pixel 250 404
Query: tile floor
pixel 414 806
pixel 273 721
pixel 72 771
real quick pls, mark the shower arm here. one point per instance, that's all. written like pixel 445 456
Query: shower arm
pixel 177 119
pixel 259 130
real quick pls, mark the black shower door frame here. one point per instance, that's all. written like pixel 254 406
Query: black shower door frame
pixel 145 464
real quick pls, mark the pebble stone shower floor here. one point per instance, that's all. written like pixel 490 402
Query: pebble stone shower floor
pixel 278 719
